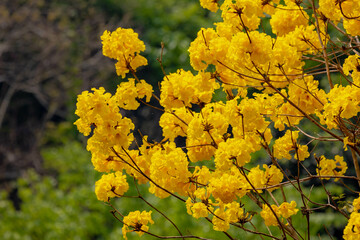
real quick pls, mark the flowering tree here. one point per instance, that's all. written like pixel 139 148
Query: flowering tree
pixel 271 92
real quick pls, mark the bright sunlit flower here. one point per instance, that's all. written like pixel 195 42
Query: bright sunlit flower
pixel 124 46
pixel 137 222
pixel 111 185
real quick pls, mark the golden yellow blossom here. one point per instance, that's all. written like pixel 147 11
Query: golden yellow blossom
pixel 330 9
pixel 169 169
pixel 175 122
pixel 262 179
pixel 235 151
pixel 205 132
pixel 356 204
pixel 201 175
pixel 127 93
pixel 242 13
pixel 285 210
pixel 212 5
pixel 197 209
pixel 99 111
pixel 287 18
pixel 183 89
pixel 343 102
pixel 124 46
pixel 111 185
pixel 245 51
pixel 137 222
pixel 352 66
pixel 229 185
pixel 350 14
pixel 226 214
pixel 331 167
pixel 288 143
pixel 352 229
pixel 200 55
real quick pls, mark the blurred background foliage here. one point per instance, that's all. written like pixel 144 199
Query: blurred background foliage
pixel 50 51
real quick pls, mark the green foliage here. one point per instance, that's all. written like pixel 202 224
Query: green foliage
pixel 62 207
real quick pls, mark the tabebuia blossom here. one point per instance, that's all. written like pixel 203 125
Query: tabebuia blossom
pixel 111 185
pixel 137 222
pixel 124 45
pixel 272 85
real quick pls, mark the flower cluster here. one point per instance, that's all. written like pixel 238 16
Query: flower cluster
pixel 276 214
pixel 330 167
pixel 285 20
pixel 137 222
pixel 127 94
pixel 352 229
pixel 169 169
pixel 99 114
pixel 124 46
pixel 183 89
pixel 271 94
pixel 111 185
pixel 287 143
pixel 263 179
pixel 348 11
pixel 226 214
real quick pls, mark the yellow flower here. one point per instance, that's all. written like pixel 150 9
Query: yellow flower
pixel 200 55
pixel 175 123
pixel 124 46
pixel 201 175
pixel 286 62
pixel 260 179
pixel 183 89
pixel 272 176
pixel 99 111
pixel 285 210
pixel 356 204
pixel 350 14
pixel 169 169
pixel 352 229
pixel 111 185
pixel 89 105
pixel 201 208
pixel 205 131
pixel 242 13
pixel 342 102
pixel 212 5
pixel 268 215
pixel 305 39
pixel 226 214
pixel 127 93
pixel 229 185
pixel 287 18
pixel 287 143
pixel 198 210
pixel 346 142
pixel 331 167
pixel 306 94
pixel 330 9
pixel 219 220
pixel 352 65
pixel 137 222
pixel 243 53
pixel 233 151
